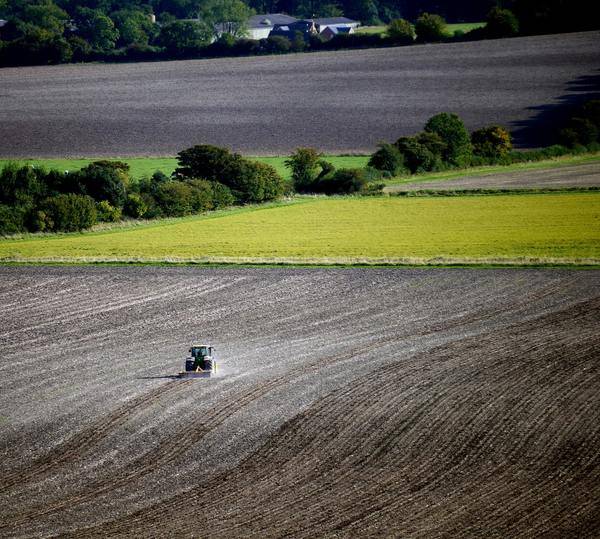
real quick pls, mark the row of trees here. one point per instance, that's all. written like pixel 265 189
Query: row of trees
pixel 209 177
pixel 446 143
pixel 58 31
pixel 34 199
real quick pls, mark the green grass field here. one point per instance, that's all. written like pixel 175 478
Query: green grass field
pixel 463 27
pixel 451 28
pixel 146 166
pixel 518 229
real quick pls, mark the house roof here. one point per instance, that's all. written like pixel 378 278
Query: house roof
pixel 327 21
pixel 269 20
pixel 337 29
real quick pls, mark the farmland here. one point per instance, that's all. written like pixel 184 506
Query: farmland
pixel 338 102
pixel 550 228
pixel 351 403
pixel 562 174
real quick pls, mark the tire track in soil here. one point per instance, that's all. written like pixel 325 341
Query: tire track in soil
pixel 76 447
pixel 182 441
pixel 383 505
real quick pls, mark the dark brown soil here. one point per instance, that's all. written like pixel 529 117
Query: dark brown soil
pixel 351 403
pixel 338 102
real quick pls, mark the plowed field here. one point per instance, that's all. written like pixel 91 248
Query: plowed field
pixel 350 403
pixel 338 102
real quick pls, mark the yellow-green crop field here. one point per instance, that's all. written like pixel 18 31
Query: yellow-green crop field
pixel 513 229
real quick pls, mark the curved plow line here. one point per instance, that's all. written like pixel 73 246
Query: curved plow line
pixel 227 411
pixel 481 495
pixel 77 446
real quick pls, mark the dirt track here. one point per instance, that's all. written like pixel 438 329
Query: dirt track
pixel 585 175
pixel 412 403
pixel 338 102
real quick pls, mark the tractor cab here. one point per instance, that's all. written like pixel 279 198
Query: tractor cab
pixel 201 351
pixel 200 361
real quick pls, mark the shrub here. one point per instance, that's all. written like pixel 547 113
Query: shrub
pixel 417 157
pixel 591 111
pixel 276 44
pixel 174 198
pixel 249 181
pixel 69 212
pixel 501 23
pixel 107 213
pixel 11 220
pixel 491 142
pixel 205 161
pixel 202 195
pixel 430 27
pixel 580 131
pixel 222 196
pixel 343 181
pixel 252 182
pixel 434 143
pixel 453 133
pixel 104 180
pixel 304 164
pixel 21 185
pixel 401 31
pixel 387 158
pixel 135 206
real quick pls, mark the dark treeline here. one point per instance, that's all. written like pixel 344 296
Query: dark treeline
pixel 59 31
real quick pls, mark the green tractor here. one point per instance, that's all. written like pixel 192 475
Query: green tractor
pixel 201 363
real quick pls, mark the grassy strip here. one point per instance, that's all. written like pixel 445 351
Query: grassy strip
pixel 516 264
pixel 503 229
pixel 558 162
pixel 451 29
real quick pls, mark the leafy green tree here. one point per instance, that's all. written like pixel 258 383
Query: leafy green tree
pixel 107 213
pixel 175 198
pixel 501 23
pixel 69 212
pixel 226 17
pixel 11 220
pixel 387 158
pixel 134 26
pixel 202 195
pixel 222 195
pixel 401 31
pixel 205 161
pixel 135 206
pixel 417 156
pixel 452 131
pixel 430 27
pixel 96 28
pixel 492 142
pixel 179 36
pixel 343 181
pixel 21 185
pixel 305 167
pixel 47 16
pixel 103 180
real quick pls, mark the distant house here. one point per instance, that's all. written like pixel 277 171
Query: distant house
pixel 330 32
pixel 260 26
pixel 279 24
pixel 305 27
pixel 336 22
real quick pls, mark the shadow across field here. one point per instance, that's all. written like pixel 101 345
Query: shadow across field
pixel 542 128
